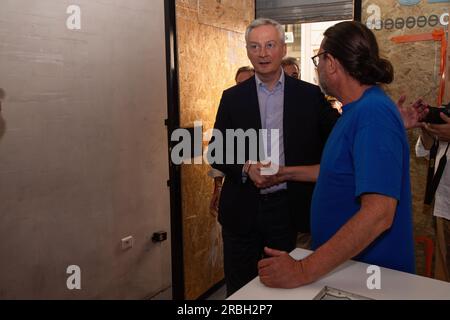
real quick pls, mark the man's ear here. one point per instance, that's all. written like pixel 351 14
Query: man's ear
pixel 332 64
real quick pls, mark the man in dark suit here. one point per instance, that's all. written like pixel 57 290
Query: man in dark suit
pixel 258 210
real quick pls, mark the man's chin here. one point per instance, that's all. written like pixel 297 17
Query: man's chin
pixel 266 71
pixel 262 70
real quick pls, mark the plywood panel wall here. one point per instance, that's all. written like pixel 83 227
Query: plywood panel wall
pixel 211 48
pixel 416 64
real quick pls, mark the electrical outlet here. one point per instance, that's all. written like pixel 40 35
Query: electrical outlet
pixel 127 242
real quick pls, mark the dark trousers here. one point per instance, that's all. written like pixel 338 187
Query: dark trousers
pixel 274 229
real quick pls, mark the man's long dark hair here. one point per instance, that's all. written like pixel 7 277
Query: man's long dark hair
pixel 356 48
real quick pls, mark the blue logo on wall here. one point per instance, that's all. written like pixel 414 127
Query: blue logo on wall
pixel 414 2
pixel 409 2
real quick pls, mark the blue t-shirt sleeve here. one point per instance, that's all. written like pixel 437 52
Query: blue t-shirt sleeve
pixel 378 153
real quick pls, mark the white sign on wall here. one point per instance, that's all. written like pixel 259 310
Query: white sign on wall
pixel 289 37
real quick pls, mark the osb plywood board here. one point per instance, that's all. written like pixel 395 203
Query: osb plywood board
pixel 208 57
pixel 226 14
pixel 416 64
pixel 416 67
pixel 192 4
pixel 202 237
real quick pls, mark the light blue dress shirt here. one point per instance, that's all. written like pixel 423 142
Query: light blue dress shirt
pixel 271 104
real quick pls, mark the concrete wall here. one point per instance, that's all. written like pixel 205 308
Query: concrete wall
pixel 83 161
pixel 211 47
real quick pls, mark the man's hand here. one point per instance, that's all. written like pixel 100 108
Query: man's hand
pixel 413 114
pixel 280 270
pixel 375 217
pixel 262 181
pixel 442 131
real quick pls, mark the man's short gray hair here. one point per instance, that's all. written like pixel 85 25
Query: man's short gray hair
pixel 265 22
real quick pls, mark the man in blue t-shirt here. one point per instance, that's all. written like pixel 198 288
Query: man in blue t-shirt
pixel 367 155
pixel 361 206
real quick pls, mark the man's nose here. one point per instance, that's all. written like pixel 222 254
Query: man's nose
pixel 263 51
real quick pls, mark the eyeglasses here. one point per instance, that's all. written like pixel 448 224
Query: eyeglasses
pixel 256 47
pixel 315 59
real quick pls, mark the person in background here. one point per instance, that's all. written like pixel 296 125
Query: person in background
pixel 242 74
pixel 253 211
pixel 433 142
pixel 335 103
pixel 291 67
pixel 361 206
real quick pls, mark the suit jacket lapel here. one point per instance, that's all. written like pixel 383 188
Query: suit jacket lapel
pixel 289 104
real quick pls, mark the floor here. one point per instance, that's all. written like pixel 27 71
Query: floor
pixel 219 294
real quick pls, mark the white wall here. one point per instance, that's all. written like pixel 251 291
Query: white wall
pixel 312 35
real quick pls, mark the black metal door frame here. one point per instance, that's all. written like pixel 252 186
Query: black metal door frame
pixel 172 123
pixel 357 10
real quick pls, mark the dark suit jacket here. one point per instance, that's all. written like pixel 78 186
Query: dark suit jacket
pixel 307 121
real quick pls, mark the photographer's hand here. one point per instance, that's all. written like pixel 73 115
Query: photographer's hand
pixel 442 131
pixel 413 114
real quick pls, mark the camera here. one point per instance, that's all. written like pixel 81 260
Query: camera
pixel 433 115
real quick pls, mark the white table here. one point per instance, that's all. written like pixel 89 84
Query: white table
pixel 351 277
